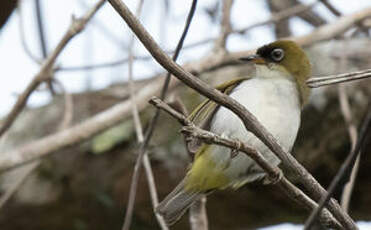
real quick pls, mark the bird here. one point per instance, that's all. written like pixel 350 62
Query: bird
pixel 275 95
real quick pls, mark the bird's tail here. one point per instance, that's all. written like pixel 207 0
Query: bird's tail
pixel 173 207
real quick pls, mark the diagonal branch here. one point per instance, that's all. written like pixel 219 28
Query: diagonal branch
pixel 274 173
pixel 249 121
pixel 45 73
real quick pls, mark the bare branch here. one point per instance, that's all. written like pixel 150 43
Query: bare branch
pixel 352 131
pixel 315 82
pixel 331 8
pixel 247 118
pixel 42 38
pixel 274 18
pixel 334 29
pixel 77 133
pixel 274 174
pixel 45 72
pixel 40 27
pixel 310 16
pixel 279 16
pixel 325 32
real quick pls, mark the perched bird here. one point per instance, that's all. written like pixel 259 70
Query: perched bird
pixel 275 95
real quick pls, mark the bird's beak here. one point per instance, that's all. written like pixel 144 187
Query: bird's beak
pixel 315 82
pixel 253 58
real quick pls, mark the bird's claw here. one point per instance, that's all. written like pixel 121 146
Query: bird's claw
pixel 272 180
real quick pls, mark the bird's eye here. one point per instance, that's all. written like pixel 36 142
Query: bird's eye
pixel 277 54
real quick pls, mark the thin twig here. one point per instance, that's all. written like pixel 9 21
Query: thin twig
pixel 315 82
pixel 352 131
pixel 274 18
pixel 344 169
pixel 331 8
pixel 274 173
pixel 249 121
pixel 337 13
pixel 324 32
pixel 42 39
pixel 144 158
pixel 45 72
pixel 40 29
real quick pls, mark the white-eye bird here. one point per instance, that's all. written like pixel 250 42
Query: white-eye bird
pixel 275 96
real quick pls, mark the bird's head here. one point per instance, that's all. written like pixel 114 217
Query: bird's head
pixel 286 58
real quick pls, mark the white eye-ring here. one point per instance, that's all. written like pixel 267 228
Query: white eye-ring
pixel 277 54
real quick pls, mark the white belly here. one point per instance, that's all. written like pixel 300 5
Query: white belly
pixel 275 103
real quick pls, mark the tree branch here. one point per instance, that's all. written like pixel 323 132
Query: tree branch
pixel 45 72
pixel 315 82
pixel 77 133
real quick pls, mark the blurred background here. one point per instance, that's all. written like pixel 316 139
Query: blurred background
pixel 85 185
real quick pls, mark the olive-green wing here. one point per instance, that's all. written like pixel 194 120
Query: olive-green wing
pixel 205 111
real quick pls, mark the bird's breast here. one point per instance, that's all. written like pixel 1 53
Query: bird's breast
pixel 275 103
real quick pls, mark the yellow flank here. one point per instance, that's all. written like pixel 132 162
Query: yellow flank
pixel 205 174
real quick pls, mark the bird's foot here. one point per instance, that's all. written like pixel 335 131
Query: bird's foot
pixel 234 152
pixel 274 179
